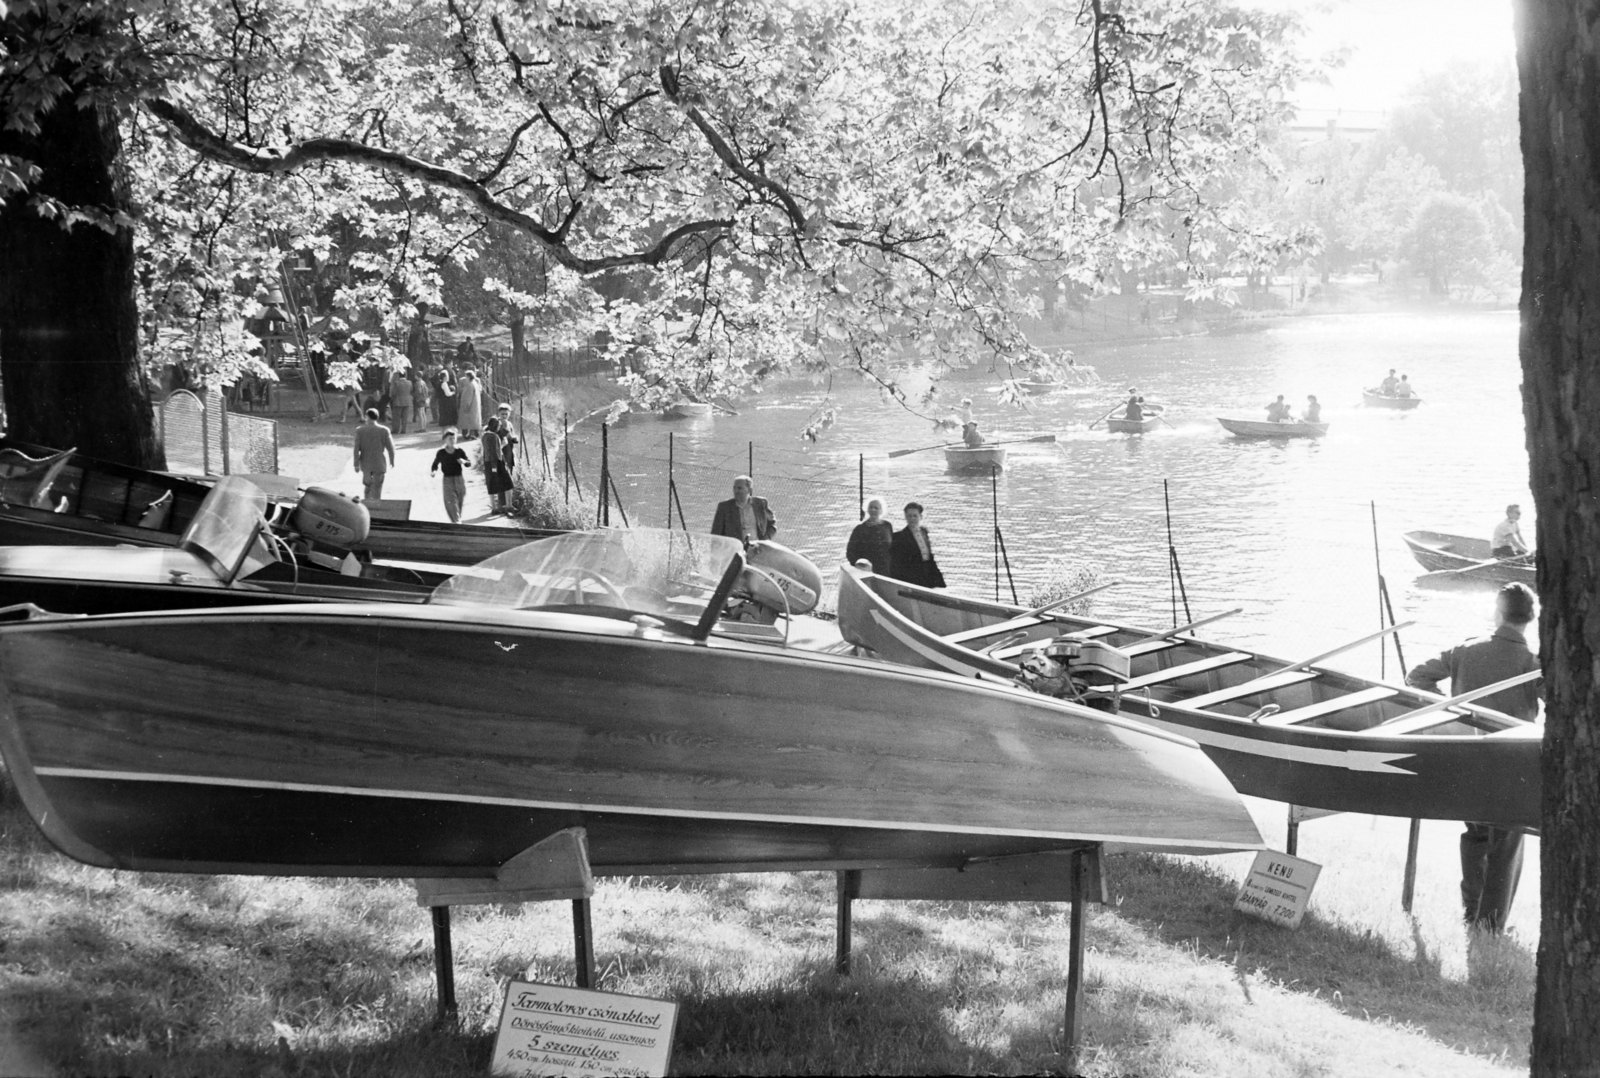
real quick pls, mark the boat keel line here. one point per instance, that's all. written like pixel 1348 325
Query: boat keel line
pixel 621 810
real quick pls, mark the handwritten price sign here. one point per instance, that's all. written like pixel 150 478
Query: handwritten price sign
pixel 551 1029
pixel 1278 888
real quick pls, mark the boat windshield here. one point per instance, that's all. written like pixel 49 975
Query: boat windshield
pixel 674 575
pixel 226 531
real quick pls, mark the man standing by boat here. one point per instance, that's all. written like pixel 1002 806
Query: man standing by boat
pixel 911 552
pixel 1491 857
pixel 373 444
pixel 1507 541
pixel 744 516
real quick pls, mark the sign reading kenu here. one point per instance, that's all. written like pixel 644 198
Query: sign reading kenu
pixel 550 1029
pixel 1278 888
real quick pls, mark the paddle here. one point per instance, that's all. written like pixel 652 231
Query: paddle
pixel 1338 650
pixel 1169 633
pixel 1408 723
pixel 1515 559
pixel 1105 417
pixel 985 445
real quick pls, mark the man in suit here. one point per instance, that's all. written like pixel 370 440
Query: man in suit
pixel 911 552
pixel 744 516
pixel 1491 857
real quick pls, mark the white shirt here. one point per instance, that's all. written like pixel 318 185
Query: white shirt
pixel 1508 533
pixel 920 534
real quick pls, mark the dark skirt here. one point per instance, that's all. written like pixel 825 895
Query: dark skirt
pixel 497 476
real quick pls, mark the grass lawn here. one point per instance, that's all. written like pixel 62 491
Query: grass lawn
pixel 124 973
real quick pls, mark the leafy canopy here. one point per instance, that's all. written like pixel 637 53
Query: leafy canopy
pixel 766 184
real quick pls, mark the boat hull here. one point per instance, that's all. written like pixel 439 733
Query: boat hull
pixel 1134 426
pixel 688 410
pixel 1443 552
pixel 1379 400
pixel 983 460
pixel 1254 428
pixel 1340 763
pixel 368 740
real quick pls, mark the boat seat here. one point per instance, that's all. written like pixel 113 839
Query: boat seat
pixel 1001 627
pixel 1250 688
pixel 1150 647
pixel 1329 707
pixel 1176 673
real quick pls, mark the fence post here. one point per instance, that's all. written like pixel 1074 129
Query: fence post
pixel 222 421
pixel 751 463
pixel 861 486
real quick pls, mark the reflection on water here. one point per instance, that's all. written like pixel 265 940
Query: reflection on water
pixel 1281 527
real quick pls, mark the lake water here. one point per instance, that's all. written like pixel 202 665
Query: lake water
pixel 1282 528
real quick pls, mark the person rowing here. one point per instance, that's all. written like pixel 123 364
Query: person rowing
pixel 1279 412
pixel 1507 541
pixel 1388 386
pixel 1135 409
pixel 1404 387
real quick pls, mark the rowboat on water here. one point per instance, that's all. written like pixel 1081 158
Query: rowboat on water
pixel 1152 419
pixel 1262 428
pixel 983 460
pixel 583 680
pixel 1372 398
pixel 1289 731
pixel 51 496
pixel 1468 557
pixel 687 409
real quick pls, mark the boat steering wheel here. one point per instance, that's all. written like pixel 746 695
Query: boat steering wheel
pixel 580 575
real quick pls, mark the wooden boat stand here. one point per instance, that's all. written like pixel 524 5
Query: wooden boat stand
pixel 558 868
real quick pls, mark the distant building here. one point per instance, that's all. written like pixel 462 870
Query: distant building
pixel 1353 125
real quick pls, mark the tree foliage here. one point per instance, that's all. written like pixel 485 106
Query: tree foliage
pixel 776 184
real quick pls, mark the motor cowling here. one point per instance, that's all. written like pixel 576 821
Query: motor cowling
pixel 326 516
pixel 782 575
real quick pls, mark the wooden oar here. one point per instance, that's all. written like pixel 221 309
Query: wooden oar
pixel 1170 633
pixel 985 445
pixel 1515 559
pixel 1036 611
pixel 1338 650
pixel 1105 417
pixel 1410 717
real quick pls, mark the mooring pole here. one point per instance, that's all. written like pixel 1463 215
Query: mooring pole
pixel 583 942
pixel 861 486
pixel 1377 561
pixel 669 480
pixel 602 516
pixel 750 463
pixel 444 968
pixel 847 884
pixel 1174 569
pixel 1408 883
pixel 1069 1040
pixel 566 453
pixel 994 517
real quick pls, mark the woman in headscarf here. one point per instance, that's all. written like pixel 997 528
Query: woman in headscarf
pixel 870 540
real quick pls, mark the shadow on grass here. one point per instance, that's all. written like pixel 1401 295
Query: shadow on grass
pixel 1185 904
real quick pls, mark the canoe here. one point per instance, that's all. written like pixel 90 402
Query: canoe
pixel 688 410
pixel 1293 732
pixel 1152 420
pixel 577 681
pixel 1260 428
pixel 1468 557
pixel 94 502
pixel 1038 388
pixel 1374 399
pixel 983 460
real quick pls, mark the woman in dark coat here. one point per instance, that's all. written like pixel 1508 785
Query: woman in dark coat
pixel 870 540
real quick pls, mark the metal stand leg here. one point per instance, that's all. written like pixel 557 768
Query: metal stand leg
pixel 1291 845
pixel 1408 890
pixel 848 885
pixel 1075 962
pixel 444 967
pixel 583 942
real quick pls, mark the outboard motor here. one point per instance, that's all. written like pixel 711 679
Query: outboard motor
pixel 776 581
pixel 329 524
pixel 1068 666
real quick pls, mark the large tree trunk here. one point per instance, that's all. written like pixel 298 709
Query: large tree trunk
pixel 69 352
pixel 1560 111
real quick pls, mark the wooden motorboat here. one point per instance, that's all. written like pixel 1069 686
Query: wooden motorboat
pixel 1293 732
pixel 88 502
pixel 1262 428
pixel 984 460
pixel 1466 556
pixel 229 555
pixel 578 681
pixel 1373 398
pixel 1152 419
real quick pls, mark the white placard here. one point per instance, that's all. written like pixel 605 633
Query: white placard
pixel 1278 888
pixel 553 1029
